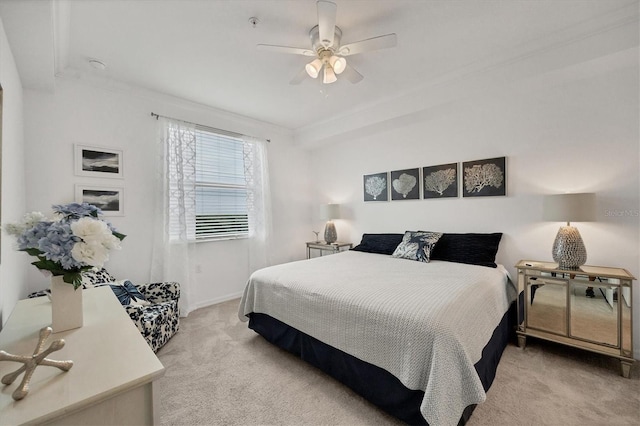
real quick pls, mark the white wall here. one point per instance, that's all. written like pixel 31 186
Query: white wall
pixel 108 115
pixel 12 263
pixel 572 130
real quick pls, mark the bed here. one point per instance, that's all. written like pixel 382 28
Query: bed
pixel 421 340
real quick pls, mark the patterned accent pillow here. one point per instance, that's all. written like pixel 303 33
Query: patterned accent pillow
pixel 128 294
pixel 417 245
pixel 95 277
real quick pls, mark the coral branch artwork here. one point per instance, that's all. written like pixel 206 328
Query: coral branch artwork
pixel 485 177
pixel 405 184
pixel 376 187
pixel 32 361
pixel 440 181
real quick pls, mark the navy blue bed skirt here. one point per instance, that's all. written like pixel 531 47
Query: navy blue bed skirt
pixel 374 383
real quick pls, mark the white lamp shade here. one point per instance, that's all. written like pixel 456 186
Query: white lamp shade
pixel 338 64
pixel 330 211
pixel 329 75
pixel 569 207
pixel 313 68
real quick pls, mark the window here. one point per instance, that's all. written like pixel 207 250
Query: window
pixel 220 186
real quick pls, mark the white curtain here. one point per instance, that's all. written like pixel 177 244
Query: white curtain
pixel 175 209
pixel 256 172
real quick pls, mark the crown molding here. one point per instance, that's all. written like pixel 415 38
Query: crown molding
pixel 61 16
pixel 231 121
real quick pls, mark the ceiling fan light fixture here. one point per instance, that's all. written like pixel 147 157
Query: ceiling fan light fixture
pixel 329 75
pixel 313 68
pixel 338 64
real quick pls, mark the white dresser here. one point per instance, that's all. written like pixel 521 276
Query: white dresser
pixel 111 382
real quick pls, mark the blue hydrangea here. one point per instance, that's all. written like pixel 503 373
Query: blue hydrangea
pixel 31 237
pixel 58 243
pixel 73 211
pixel 52 242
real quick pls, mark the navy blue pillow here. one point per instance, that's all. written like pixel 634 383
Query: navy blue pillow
pixel 474 249
pixel 379 243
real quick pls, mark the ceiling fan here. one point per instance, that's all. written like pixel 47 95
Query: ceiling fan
pixel 329 53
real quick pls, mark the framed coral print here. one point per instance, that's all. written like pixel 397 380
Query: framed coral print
pixel 108 199
pixel 484 178
pixel 405 184
pixel 98 162
pixel 376 187
pixel 440 181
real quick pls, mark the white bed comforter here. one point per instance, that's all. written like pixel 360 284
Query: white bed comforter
pixel 425 323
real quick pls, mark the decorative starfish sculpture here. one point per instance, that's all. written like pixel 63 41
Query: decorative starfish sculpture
pixel 31 362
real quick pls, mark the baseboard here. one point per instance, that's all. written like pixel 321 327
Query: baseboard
pixel 215 301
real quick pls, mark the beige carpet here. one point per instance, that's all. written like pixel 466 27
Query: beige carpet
pixel 218 372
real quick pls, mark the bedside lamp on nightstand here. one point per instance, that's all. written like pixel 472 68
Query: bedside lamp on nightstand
pixel 330 212
pixel 568 248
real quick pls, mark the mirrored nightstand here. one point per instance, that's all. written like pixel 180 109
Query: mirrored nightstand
pixel 326 248
pixel 588 308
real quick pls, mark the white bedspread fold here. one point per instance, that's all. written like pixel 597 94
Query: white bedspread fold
pixel 425 323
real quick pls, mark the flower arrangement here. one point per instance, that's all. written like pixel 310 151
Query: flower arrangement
pixel 74 241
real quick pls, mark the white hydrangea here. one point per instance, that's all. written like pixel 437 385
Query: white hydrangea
pixel 92 253
pixel 95 232
pixel 15 229
pixel 97 240
pixel 28 221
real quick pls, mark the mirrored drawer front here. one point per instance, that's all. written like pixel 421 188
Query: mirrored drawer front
pixel 626 314
pixel 547 304
pixel 594 312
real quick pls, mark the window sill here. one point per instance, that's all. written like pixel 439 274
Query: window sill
pixel 213 239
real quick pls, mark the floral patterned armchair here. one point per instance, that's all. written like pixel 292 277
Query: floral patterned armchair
pixel 160 320
pixel 153 307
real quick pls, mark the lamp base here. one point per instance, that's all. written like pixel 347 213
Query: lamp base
pixel 330 234
pixel 568 248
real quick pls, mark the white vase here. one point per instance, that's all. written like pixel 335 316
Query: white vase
pixel 66 305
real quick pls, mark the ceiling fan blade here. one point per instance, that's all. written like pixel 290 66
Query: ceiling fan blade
pixel 351 74
pixel 285 49
pixel 375 43
pixel 299 77
pixel 326 22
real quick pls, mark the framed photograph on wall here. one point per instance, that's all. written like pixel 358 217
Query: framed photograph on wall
pixel 484 178
pixel 405 184
pixel 376 187
pixel 98 162
pixel 108 199
pixel 440 181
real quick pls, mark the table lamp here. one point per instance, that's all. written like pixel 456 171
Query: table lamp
pixel 568 248
pixel 330 212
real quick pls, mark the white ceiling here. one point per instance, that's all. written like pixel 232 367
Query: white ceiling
pixel 205 50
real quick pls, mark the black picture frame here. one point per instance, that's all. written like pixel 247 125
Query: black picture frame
pixel 484 178
pixel 376 187
pixel 440 181
pixel 405 184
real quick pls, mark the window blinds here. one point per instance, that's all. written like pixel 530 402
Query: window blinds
pixel 221 188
